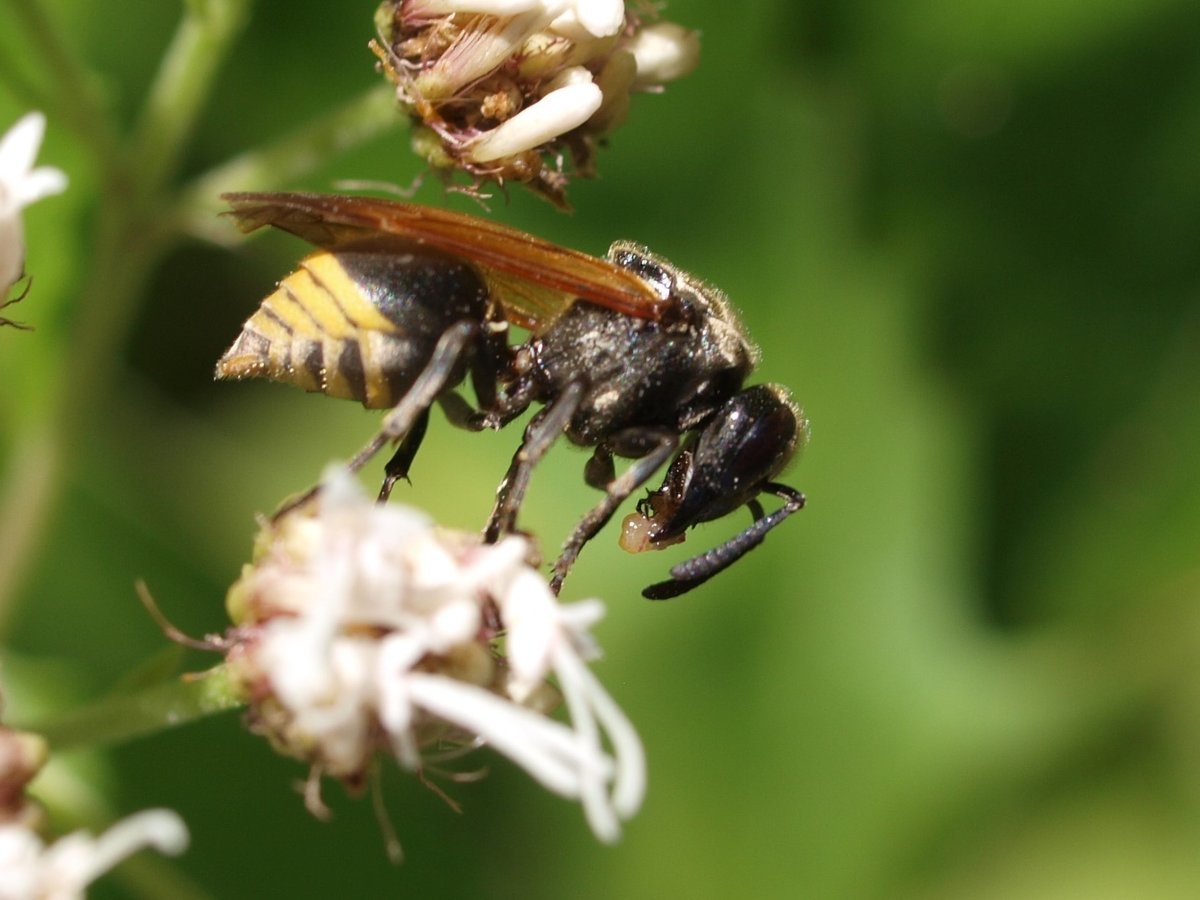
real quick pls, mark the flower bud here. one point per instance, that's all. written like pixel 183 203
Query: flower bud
pixel 495 89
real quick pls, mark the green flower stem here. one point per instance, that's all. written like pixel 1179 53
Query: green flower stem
pixel 129 244
pixel 75 98
pixel 138 223
pixel 31 95
pixel 29 479
pixel 182 86
pixel 126 251
pixel 123 717
pixel 286 160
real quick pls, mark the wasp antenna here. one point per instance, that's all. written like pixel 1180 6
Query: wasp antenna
pixel 694 572
pixel 208 645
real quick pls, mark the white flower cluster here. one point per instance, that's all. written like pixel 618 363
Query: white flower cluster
pixel 502 81
pixel 364 628
pixel 32 870
pixel 20 185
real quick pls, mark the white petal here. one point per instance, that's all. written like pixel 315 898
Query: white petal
pixel 454 623
pixel 578 618
pixel 12 251
pixel 556 113
pixel 546 749
pixel 45 181
pixel 531 616
pixel 20 858
pixel 601 18
pixel 629 786
pixel 493 566
pixel 488 7
pixel 593 781
pixel 80 858
pixel 664 51
pixel 473 54
pixel 568 76
pixel 19 147
pixel 395 700
pixel 161 829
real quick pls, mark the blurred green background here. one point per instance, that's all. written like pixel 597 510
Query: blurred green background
pixel 965 235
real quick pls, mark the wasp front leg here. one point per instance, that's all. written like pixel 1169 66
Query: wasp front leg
pixel 694 572
pixel 654 447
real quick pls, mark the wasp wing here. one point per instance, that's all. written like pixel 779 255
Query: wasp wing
pixel 533 278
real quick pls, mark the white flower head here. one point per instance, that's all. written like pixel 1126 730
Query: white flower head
pixel 364 628
pixel 32 870
pixel 20 185
pixel 504 89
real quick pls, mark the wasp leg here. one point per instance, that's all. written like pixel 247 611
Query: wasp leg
pixel 460 413
pixel 634 443
pixel 397 467
pixel 425 390
pixel 599 471
pixel 541 433
pixel 412 406
pixel 694 572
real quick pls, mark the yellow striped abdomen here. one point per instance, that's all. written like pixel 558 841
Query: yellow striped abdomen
pixel 357 324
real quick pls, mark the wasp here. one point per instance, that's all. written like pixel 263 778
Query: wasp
pixel 628 355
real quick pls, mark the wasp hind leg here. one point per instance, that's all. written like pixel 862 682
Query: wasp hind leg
pixel 458 412
pixel 407 415
pixel 397 467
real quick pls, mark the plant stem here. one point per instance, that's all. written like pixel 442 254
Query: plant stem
pixel 32 95
pixel 137 226
pixel 123 717
pixel 292 157
pixel 125 253
pixel 32 470
pixel 129 243
pixel 75 98
pixel 182 86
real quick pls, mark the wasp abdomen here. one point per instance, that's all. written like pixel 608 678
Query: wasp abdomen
pixel 357 324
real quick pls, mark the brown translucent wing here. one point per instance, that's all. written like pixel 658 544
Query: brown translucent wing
pixel 534 279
